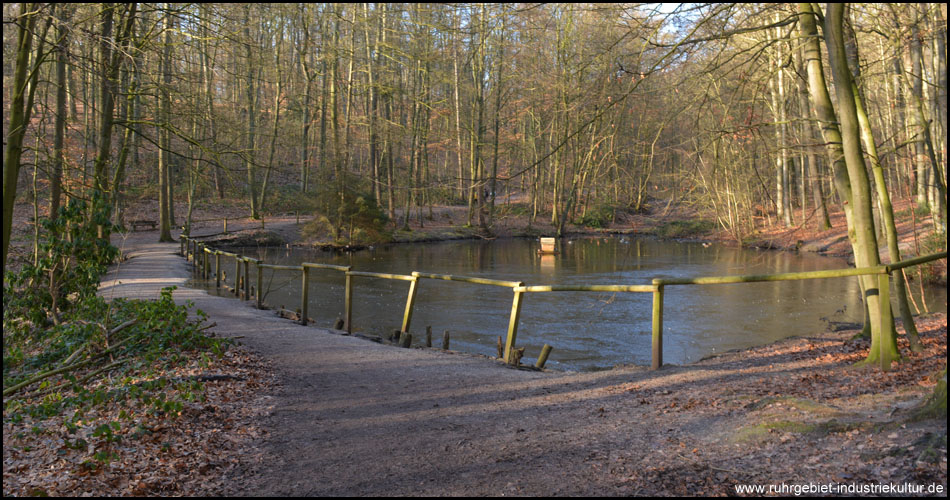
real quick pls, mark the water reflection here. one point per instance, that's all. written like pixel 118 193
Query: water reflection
pixel 587 330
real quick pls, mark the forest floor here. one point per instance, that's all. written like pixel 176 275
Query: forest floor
pixel 321 413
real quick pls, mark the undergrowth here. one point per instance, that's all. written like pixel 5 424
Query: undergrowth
pixel 354 218
pixel 101 370
pixel 684 229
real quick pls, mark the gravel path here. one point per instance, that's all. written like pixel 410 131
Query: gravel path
pixel 359 418
pixel 356 418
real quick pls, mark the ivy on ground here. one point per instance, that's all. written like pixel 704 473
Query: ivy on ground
pixel 71 356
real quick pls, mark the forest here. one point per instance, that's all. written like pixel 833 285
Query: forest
pixel 365 119
pixel 586 110
pixel 365 116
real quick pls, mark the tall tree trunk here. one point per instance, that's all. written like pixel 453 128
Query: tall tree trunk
pixel 306 56
pixel 251 126
pixel 24 81
pixel 164 143
pixel 883 196
pixel 278 42
pixel 62 47
pixel 811 159
pixel 458 112
pixel 373 110
pixel 777 88
pixel 106 100
pixel 883 342
pixel 499 69
pixel 207 76
pixel 923 140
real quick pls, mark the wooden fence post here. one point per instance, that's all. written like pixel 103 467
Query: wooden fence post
pixel 304 292
pixel 513 325
pixel 199 259
pixel 348 303
pixel 543 358
pixel 217 269
pixel 237 275
pixel 260 284
pixel 657 327
pixel 247 281
pixel 410 301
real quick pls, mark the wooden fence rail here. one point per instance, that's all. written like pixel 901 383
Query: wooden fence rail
pixel 191 249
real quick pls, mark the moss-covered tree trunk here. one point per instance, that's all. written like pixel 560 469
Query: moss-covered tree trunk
pixel 864 244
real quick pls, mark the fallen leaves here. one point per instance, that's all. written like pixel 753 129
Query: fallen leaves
pixel 151 456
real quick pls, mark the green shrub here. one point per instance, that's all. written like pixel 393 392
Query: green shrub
pixel 289 198
pixel 356 219
pixel 72 257
pixel 598 218
pixel 684 229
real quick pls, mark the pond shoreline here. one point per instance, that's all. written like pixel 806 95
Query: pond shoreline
pixel 385 421
pixel 791 411
pixel 675 225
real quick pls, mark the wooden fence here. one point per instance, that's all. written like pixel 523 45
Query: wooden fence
pixel 195 251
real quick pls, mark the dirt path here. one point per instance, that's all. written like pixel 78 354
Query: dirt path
pixel 351 417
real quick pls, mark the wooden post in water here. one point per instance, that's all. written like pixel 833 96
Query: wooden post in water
pixel 428 336
pixel 247 282
pixel 348 303
pixel 217 269
pixel 304 293
pixel 196 258
pixel 206 252
pixel 237 275
pixel 410 303
pixel 657 361
pixel 260 282
pixel 181 244
pixel 513 326
pixel 445 340
pixel 543 358
pixel 225 225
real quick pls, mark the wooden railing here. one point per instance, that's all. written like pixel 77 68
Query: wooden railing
pixel 191 248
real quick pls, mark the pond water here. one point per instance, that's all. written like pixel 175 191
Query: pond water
pixel 588 331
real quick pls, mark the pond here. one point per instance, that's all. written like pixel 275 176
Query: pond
pixel 588 331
